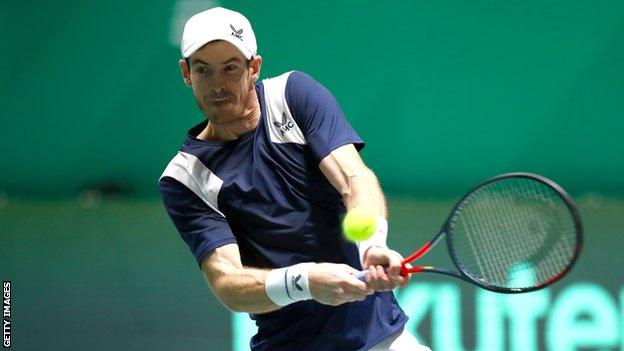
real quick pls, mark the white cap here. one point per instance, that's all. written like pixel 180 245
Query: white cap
pixel 218 24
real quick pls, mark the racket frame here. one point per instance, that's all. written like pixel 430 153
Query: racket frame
pixel 447 231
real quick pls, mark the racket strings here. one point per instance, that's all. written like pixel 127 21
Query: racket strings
pixel 535 230
pixel 488 268
pixel 514 233
pixel 492 250
pixel 562 245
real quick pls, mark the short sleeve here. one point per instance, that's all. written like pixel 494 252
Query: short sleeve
pixel 202 228
pixel 319 116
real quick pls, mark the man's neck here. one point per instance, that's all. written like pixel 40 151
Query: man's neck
pixel 233 130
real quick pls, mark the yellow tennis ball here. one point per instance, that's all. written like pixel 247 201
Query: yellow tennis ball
pixel 359 225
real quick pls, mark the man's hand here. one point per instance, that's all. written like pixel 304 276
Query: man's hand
pixel 334 284
pixel 377 277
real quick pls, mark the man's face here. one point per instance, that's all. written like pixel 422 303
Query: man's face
pixel 222 80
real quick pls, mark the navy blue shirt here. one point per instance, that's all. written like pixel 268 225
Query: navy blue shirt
pixel 266 193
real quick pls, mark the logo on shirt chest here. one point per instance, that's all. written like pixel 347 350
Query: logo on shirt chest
pixel 285 125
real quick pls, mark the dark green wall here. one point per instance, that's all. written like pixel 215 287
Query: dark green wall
pixel 446 93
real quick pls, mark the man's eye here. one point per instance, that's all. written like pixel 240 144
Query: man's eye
pixel 200 70
pixel 230 68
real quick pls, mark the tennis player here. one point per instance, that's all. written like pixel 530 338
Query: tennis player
pixel 257 191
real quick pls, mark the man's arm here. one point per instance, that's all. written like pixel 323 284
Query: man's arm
pixel 239 289
pixel 243 289
pixel 359 187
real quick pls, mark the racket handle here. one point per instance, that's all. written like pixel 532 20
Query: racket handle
pixel 361 275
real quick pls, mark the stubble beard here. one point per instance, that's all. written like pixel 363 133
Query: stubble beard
pixel 221 114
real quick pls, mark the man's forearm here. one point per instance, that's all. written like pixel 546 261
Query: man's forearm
pixel 242 290
pixel 245 289
pixel 364 191
pixel 356 183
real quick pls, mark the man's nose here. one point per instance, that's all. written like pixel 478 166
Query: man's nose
pixel 217 88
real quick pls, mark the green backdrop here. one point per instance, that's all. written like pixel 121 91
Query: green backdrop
pixel 445 93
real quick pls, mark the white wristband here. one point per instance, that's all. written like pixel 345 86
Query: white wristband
pixel 377 239
pixel 289 284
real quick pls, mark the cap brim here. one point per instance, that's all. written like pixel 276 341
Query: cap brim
pixel 190 50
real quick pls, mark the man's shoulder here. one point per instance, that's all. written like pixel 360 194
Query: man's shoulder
pixel 287 75
pixel 295 86
pixel 292 80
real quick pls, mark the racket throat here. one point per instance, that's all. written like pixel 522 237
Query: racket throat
pixel 413 257
pixel 418 254
pixel 414 270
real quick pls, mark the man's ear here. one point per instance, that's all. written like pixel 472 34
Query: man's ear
pixel 185 71
pixel 254 67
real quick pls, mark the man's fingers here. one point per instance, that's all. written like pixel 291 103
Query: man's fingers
pixel 354 286
pixel 356 292
pixel 381 273
pixel 371 275
pixel 388 278
pixel 394 263
pixel 359 285
pixel 372 278
pixel 379 279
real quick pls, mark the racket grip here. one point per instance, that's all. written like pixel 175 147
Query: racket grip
pixel 361 275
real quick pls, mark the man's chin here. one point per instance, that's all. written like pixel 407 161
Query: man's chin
pixel 222 116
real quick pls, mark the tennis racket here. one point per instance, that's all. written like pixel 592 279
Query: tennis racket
pixel 514 233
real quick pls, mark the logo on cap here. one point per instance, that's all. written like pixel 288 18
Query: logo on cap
pixel 237 33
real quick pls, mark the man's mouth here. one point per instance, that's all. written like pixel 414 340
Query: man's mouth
pixel 218 99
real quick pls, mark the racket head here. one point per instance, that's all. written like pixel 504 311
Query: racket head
pixel 514 233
